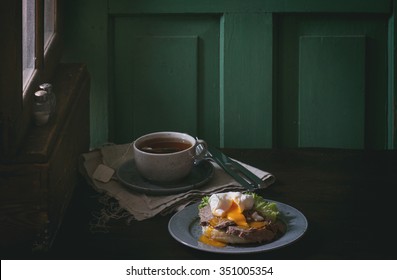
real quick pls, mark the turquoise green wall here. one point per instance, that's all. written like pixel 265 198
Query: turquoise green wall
pixel 86 23
pixel 239 73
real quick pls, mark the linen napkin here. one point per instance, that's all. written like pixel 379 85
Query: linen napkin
pixel 141 206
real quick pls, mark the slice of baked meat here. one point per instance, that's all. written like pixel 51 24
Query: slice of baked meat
pixel 207 218
pixel 267 233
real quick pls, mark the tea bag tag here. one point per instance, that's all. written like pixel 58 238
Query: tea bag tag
pixel 103 173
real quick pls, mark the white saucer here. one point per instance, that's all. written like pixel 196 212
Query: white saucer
pixel 129 176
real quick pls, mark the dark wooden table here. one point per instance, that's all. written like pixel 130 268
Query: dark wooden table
pixel 348 196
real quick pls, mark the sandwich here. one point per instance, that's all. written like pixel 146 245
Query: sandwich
pixel 238 218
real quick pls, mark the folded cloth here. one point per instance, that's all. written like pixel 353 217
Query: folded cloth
pixel 142 206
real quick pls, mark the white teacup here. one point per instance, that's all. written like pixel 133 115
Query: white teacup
pixel 166 157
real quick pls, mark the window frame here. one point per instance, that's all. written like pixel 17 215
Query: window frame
pixel 16 101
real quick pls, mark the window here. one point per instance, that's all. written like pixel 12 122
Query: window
pixel 49 21
pixel 38 30
pixel 29 54
pixel 28 39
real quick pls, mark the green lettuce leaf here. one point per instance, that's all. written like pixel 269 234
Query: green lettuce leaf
pixel 267 209
pixel 204 202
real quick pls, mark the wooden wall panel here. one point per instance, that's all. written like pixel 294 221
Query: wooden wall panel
pixel 164 88
pixel 354 52
pixel 246 95
pixel 166 75
pixel 219 6
pixel 331 91
pixel 252 72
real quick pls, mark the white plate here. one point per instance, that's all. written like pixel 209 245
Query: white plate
pixel 185 227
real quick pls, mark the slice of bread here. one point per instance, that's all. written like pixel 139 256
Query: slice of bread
pixel 220 229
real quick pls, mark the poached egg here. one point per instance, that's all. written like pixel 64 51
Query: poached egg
pixel 231 205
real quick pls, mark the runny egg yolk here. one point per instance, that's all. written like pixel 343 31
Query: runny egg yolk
pixel 206 239
pixel 235 214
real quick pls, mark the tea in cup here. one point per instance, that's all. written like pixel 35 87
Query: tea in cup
pixel 167 157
